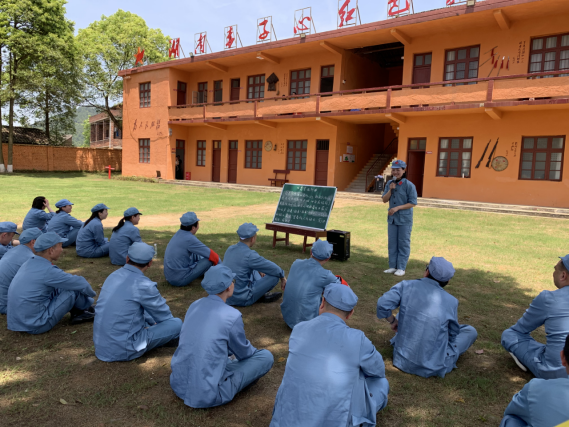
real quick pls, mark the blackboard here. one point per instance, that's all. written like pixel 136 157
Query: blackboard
pixel 306 206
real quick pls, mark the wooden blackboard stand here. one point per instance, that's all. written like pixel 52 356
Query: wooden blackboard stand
pixel 306 232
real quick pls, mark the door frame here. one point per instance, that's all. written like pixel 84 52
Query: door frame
pixel 214 149
pixel 229 150
pixel 316 157
pixel 424 150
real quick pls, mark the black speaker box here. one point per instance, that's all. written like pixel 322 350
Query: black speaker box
pixel 341 241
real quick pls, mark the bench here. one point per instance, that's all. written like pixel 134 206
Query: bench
pixel 306 232
pixel 282 181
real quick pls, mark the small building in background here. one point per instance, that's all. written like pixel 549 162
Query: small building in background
pixel 104 133
pixel 27 136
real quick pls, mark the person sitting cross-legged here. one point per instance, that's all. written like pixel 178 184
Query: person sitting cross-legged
pixel 203 373
pixel 64 224
pixel 7 232
pixel 542 403
pixel 41 293
pixel 132 317
pixel 186 258
pixel 334 376
pixel 428 339
pixel 255 275
pixel 13 260
pixel 551 309
pixel 91 241
pixel 306 282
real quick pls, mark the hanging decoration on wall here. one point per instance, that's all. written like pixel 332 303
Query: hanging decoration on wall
pixel 272 81
pixel 483 155
pixel 231 36
pixel 347 15
pixel 397 8
pixel 492 153
pixel 265 30
pixel 303 22
pixel 139 56
pixel 200 43
pixel 499 163
pixel 174 49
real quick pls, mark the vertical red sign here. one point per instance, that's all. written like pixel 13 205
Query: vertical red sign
pixel 174 49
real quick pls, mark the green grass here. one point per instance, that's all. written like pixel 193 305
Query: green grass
pixel 502 262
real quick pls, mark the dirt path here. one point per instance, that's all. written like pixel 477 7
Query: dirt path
pixel 162 220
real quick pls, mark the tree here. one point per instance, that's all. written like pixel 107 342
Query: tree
pixel 107 47
pixel 86 133
pixel 30 29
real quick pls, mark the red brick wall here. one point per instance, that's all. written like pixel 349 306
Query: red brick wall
pixel 49 158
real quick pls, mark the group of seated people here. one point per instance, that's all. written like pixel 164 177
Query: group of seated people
pixel 334 375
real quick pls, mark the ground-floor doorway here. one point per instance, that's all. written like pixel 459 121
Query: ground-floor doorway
pixel 416 163
pixel 232 164
pixel 321 170
pixel 180 157
pixel 216 162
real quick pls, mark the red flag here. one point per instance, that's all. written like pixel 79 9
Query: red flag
pixel 502 64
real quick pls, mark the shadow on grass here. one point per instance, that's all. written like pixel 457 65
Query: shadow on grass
pixel 61 364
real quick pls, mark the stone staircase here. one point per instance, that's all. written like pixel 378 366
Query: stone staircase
pixel 382 162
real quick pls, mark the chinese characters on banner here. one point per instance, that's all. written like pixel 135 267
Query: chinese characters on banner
pixel 265 29
pixel 174 49
pixel 230 37
pixel 200 43
pixel 303 22
pixel 347 13
pixel 397 8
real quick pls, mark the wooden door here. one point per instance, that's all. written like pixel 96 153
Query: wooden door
pixel 422 68
pixel 327 79
pixel 180 156
pixel 235 88
pixel 181 91
pixel 202 93
pixel 232 170
pixel 216 162
pixel 416 163
pixel 321 170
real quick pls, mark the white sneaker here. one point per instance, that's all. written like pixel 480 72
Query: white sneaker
pixel 522 367
pixel 390 270
pixel 400 273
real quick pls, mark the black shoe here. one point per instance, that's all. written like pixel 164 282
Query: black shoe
pixel 85 316
pixel 172 343
pixel 271 297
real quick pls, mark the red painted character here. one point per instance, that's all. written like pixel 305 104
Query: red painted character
pixel 395 7
pixel 301 25
pixel 230 39
pixel 265 33
pixel 200 44
pixel 346 15
pixel 450 2
pixel 174 48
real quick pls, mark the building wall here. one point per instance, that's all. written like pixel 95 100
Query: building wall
pixel 486 184
pixel 50 158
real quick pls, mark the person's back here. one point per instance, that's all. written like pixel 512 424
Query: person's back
pixel 10 264
pixel 89 238
pixel 124 235
pixel 36 216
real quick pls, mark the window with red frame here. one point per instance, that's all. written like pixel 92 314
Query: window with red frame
pixel 300 82
pixel 549 54
pixel 256 86
pixel 144 93
pixel 201 154
pixel 253 154
pixel 462 64
pixel 296 157
pixel 542 158
pixel 144 151
pixel 455 155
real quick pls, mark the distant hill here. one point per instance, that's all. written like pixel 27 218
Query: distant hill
pixel 82 114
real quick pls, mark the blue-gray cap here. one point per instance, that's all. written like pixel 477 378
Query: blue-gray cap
pixel 441 269
pixel 247 230
pixel 340 296
pixel 565 261
pixel 62 203
pixel 8 227
pixel 99 207
pixel 48 240
pixel 398 164
pixel 140 252
pixel 131 212
pixel 217 279
pixel 322 250
pixel 189 218
pixel 30 234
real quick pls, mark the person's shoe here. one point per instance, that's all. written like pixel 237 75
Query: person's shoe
pixel 522 367
pixel 390 270
pixel 271 297
pixel 84 316
pixel 174 342
pixel 400 272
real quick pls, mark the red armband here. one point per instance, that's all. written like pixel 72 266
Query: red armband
pixel 213 257
pixel 342 281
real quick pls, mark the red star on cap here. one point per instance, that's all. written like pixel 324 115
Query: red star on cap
pixel 139 56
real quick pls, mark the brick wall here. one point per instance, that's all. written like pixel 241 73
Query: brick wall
pixel 49 158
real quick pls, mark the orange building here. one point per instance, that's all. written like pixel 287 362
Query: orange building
pixel 471 97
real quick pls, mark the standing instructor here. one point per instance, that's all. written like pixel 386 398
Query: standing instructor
pixel 402 197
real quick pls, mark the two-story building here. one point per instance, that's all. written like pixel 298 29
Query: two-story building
pixel 471 97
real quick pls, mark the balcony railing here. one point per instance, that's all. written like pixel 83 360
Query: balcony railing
pixel 471 93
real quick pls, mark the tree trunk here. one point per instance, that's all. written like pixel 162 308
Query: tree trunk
pixel 2 167
pixel 10 133
pixel 111 116
pixel 46 111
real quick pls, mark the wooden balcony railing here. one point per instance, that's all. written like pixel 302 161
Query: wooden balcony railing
pixel 469 93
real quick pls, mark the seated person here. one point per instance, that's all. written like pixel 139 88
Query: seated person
pixel 306 282
pixel 91 240
pixel 64 224
pixel 7 232
pixel 36 216
pixel 428 339
pixel 132 317
pixel 250 267
pixel 41 294
pixel 187 258
pixel 124 235
pixel 541 402
pixel 334 376
pixel 11 263
pixel 203 374
pixel 549 308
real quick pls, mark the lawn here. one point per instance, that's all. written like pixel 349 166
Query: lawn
pixel 502 262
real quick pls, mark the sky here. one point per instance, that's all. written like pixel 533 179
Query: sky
pixel 179 18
